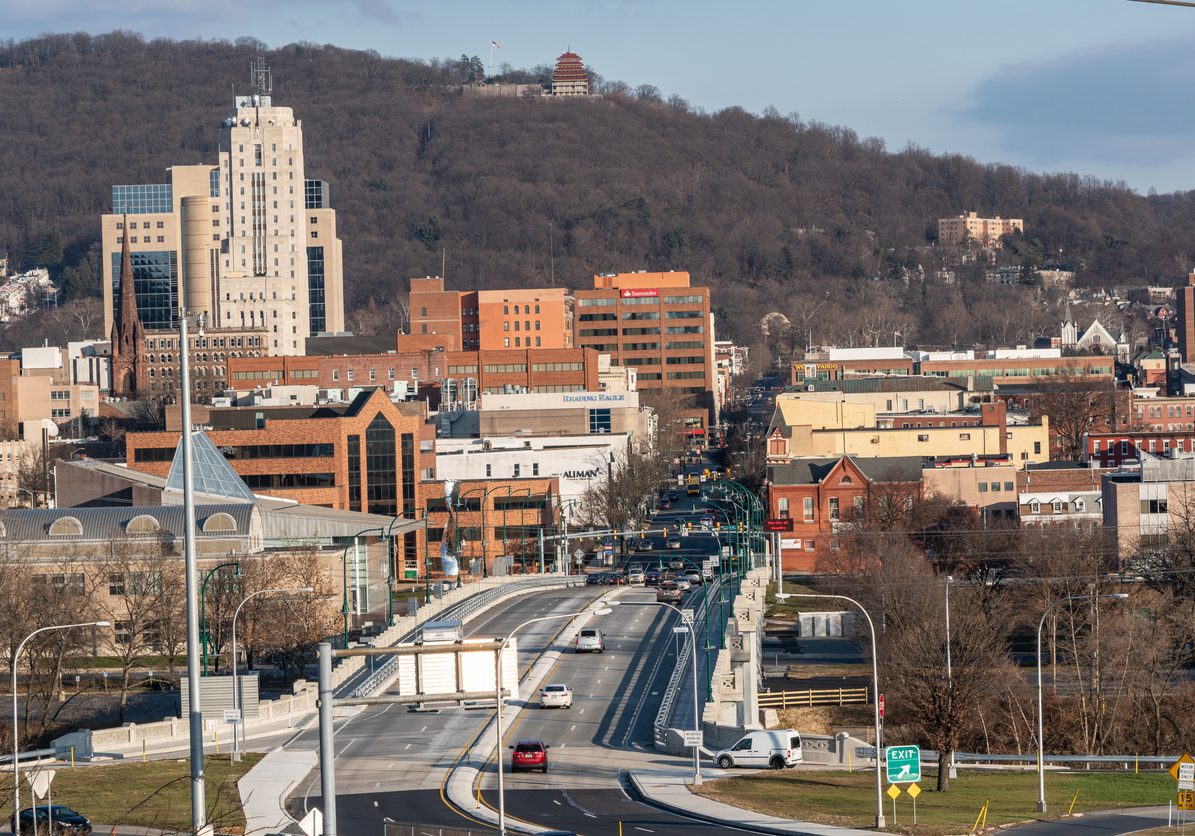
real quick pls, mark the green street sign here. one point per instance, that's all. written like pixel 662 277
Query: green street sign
pixel 904 764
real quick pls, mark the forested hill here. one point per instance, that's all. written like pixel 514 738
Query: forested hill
pixel 771 207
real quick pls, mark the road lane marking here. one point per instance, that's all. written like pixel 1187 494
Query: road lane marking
pixel 644 829
pixel 573 726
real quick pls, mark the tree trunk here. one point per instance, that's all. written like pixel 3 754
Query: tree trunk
pixel 124 695
pixel 943 770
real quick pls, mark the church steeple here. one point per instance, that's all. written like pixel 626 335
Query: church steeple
pixel 128 334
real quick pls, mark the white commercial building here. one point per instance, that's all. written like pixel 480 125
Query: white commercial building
pixel 578 461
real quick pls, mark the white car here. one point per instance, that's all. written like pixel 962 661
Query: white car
pixel 556 695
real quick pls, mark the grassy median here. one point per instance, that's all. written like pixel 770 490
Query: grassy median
pixel 848 799
pixel 151 794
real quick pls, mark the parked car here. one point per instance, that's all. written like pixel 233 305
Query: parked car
pixel 771 748
pixel 66 821
pixel 595 579
pixel 694 577
pixel 589 640
pixel 556 695
pixel 529 754
pixel 651 577
pixel 672 543
pixel 668 593
pixel 665 505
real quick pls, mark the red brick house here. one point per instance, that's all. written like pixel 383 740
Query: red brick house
pixel 817 495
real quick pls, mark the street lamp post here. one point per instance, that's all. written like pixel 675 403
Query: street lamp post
pixel 16 739
pixel 602 609
pixel 236 694
pixel 204 636
pixel 344 609
pixel 1041 747
pixel 875 684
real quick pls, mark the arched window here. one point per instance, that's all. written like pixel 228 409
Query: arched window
pixel 143 525
pixel 66 527
pixel 220 523
pixel 506 310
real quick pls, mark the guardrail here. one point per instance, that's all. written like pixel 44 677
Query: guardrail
pixel 812 697
pixel 664 715
pixel 1129 761
pixel 461 612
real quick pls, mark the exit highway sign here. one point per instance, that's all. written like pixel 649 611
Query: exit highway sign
pixel 904 764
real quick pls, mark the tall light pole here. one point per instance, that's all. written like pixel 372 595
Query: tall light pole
pixel 1041 747
pixel 601 609
pixel 951 771
pixel 16 739
pixel 875 684
pixel 203 631
pixel 236 692
pixel 191 570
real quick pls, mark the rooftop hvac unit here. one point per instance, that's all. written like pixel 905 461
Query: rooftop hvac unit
pixel 447 390
pixel 469 390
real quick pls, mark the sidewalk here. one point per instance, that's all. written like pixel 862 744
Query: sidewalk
pixel 273 778
pixel 670 790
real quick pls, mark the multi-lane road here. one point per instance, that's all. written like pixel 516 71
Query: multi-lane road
pixel 392 764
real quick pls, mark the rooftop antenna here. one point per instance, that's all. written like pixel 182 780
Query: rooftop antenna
pixel 260 78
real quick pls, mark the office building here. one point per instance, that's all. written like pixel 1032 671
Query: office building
pixel 660 325
pixel 491 320
pixel 1185 311
pixel 251 238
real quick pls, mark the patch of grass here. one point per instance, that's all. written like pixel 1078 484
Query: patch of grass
pixel 848 799
pixel 790 607
pixel 152 794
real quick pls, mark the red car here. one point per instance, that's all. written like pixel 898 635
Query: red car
pixel 529 754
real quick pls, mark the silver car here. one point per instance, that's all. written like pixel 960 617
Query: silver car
pixel 590 640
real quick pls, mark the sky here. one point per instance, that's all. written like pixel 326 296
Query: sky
pixel 1099 87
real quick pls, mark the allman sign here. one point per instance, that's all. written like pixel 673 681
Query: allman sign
pixel 640 292
pixel 581 474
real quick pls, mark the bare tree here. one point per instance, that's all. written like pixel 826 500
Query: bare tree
pixel 1075 407
pixel 133 578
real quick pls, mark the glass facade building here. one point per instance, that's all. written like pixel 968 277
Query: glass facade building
pixel 150 198
pixel 155 281
pixel 315 289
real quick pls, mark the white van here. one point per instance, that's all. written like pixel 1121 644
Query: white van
pixel 771 748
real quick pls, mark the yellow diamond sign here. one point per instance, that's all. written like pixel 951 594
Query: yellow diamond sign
pixel 912 790
pixel 1177 768
pixel 893 791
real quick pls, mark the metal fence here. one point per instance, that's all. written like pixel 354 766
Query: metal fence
pixel 812 697
pixel 667 702
pixel 1107 762
pixel 402 829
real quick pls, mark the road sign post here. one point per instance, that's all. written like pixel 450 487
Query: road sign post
pixel 904 764
pixel 913 792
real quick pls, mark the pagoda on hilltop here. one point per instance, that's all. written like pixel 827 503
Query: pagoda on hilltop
pixel 570 77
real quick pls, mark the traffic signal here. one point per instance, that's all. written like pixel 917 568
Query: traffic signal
pixel 665 531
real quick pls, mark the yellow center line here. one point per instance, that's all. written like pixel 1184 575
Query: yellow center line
pixel 469 746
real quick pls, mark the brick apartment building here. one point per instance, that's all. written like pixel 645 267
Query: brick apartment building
pixel 819 495
pixel 660 325
pixel 490 320
pixel 1112 449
